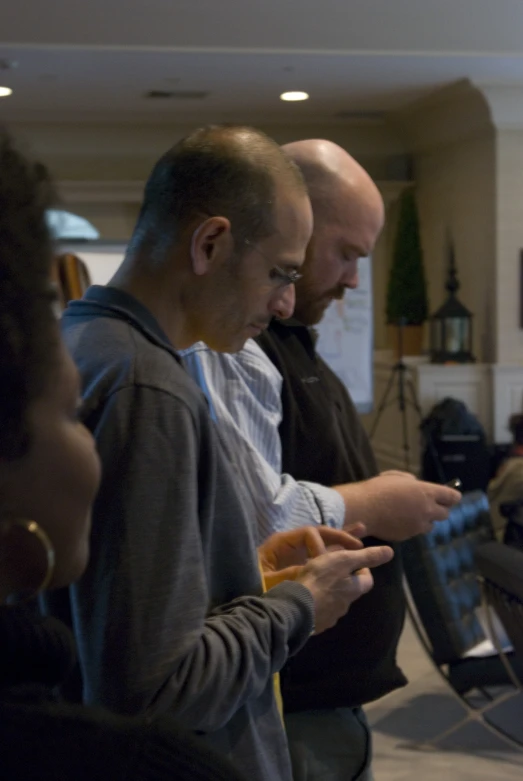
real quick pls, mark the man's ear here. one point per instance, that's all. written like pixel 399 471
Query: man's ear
pixel 211 243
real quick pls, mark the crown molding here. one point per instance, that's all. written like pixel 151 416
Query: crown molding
pixel 101 191
pixel 505 104
pixel 131 191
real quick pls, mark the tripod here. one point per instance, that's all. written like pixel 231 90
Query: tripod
pixel 400 373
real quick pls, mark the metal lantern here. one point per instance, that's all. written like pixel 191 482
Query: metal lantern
pixel 451 324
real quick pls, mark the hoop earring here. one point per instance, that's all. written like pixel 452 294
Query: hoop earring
pixel 34 529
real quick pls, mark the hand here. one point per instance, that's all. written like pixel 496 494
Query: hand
pixel 395 508
pixel 338 579
pixel 284 554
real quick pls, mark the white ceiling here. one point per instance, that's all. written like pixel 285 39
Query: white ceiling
pixel 97 59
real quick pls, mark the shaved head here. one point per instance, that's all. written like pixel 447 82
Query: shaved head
pixel 330 173
pixel 348 218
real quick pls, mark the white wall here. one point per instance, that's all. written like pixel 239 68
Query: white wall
pixel 452 138
pixel 509 207
pixel 468 151
pixel 101 153
pixel 114 221
pixel 127 151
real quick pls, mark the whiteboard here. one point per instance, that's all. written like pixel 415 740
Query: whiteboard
pixel 346 338
pixel 101 259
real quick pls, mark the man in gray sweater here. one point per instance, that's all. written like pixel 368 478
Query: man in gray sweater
pixel 171 614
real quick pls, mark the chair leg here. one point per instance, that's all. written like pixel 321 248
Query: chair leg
pixel 420 633
pixel 486 694
pixel 472 714
pixel 495 639
pixel 480 715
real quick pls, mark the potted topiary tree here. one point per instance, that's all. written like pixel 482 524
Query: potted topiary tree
pixel 407 302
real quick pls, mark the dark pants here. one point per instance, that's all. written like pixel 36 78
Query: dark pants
pixel 330 745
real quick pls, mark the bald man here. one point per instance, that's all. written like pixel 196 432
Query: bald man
pixel 323 444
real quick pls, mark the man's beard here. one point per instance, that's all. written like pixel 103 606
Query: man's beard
pixel 338 293
pixel 317 309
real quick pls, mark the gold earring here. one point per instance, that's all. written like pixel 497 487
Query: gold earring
pixel 37 533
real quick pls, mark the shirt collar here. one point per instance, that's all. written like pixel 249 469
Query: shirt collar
pixel 107 301
pixel 306 334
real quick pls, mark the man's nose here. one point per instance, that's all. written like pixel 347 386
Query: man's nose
pixel 350 278
pixel 282 305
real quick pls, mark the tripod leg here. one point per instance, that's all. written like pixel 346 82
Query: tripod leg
pixel 413 401
pixel 383 403
pixel 403 408
pixel 404 424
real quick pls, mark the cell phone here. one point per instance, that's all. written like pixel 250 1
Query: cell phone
pixel 455 483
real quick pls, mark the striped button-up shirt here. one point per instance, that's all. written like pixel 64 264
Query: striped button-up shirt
pixel 244 394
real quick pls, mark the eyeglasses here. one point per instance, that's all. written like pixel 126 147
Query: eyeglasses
pixel 277 274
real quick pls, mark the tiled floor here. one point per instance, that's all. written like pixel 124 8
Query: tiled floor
pixel 406 724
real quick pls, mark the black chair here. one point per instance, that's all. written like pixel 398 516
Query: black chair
pixel 455 446
pixel 444 603
pixel 501 576
pixel 465 457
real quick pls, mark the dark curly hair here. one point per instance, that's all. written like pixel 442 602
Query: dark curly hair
pixel 28 328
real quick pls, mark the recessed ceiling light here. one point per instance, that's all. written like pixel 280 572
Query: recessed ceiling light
pixel 294 96
pixel 5 92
